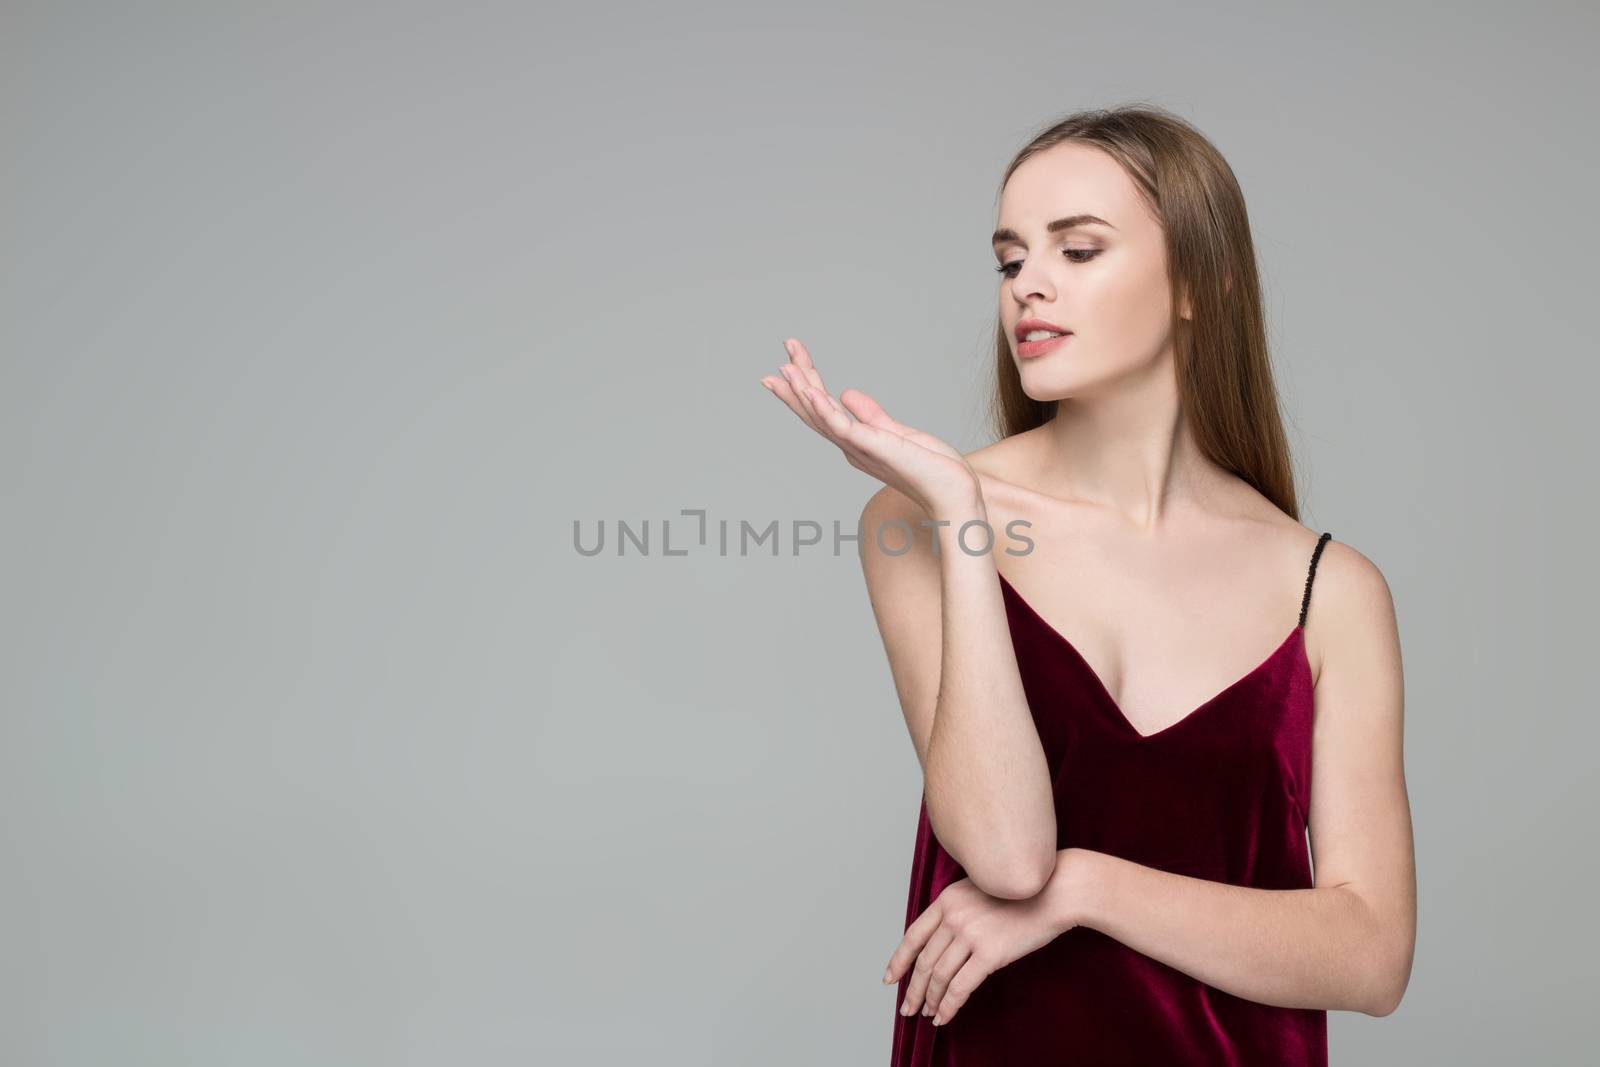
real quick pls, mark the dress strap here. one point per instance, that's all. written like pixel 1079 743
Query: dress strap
pixel 1311 572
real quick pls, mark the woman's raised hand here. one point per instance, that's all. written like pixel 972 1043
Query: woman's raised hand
pixel 921 466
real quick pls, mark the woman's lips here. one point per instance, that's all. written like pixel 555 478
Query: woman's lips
pixel 1031 349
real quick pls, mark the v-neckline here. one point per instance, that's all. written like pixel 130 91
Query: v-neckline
pixel 1105 693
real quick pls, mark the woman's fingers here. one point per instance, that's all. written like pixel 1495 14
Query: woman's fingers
pixel 837 427
pixel 877 451
pixel 922 969
pixel 804 379
pixel 871 412
pixel 801 373
pixel 792 382
pixel 789 388
pixel 785 389
pixel 912 941
pixel 962 983
pixel 831 418
pixel 861 444
pixel 802 360
pixel 846 431
pixel 800 356
pixel 822 408
pixel 944 969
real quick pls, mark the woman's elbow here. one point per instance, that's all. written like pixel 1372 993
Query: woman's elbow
pixel 1390 987
pixel 1387 1003
pixel 1020 881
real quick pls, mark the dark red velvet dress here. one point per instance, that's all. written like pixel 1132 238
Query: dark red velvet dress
pixel 1221 794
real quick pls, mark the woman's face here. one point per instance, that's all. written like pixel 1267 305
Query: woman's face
pixel 1105 282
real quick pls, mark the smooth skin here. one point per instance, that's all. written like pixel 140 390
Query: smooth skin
pixel 1140 540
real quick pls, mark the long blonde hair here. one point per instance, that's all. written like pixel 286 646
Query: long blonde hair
pixel 1224 371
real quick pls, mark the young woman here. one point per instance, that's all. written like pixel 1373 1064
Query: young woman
pixel 1128 708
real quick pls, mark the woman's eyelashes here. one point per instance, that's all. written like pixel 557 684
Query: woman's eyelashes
pixel 1076 255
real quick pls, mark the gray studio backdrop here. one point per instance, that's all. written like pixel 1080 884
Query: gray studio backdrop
pixel 322 324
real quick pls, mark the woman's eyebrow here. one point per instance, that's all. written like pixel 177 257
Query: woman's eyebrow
pixel 1070 222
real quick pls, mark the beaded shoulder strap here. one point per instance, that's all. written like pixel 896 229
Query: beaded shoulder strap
pixel 1311 573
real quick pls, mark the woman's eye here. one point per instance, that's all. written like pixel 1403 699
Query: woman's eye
pixel 1076 255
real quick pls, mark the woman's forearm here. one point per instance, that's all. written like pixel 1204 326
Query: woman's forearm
pixel 1296 948
pixel 987 783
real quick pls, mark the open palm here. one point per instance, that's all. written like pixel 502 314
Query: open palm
pixel 921 466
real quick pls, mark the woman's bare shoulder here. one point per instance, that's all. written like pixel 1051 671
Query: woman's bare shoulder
pixel 1351 589
pixel 1004 467
pixel 1348 602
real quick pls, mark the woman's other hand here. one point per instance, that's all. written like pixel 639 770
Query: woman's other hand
pixel 965 935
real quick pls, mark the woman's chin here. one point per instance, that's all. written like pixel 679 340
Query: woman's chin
pixel 1045 388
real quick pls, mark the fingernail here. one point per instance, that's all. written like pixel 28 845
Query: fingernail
pixel 905 1007
pixel 888 976
pixel 788 346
